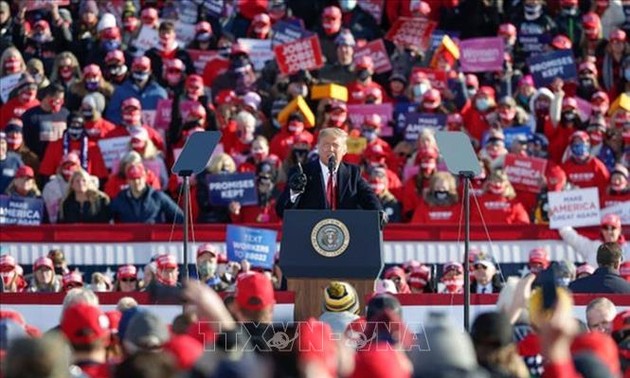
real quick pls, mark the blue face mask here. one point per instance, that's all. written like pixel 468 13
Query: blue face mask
pixel 110 45
pixel 482 104
pixel 369 134
pixel 347 5
pixel 580 150
pixel 91 85
pixel 626 74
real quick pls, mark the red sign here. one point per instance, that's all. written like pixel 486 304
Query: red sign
pixel 525 173
pixel 358 112
pixel 376 50
pixel 163 114
pixel 438 78
pixel 412 32
pixel 373 7
pixel 302 54
pixel 201 57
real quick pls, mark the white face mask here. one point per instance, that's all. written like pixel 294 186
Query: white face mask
pixel 99 287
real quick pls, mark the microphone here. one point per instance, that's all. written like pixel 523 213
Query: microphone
pixel 332 164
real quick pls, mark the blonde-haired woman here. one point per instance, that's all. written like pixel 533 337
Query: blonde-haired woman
pixel 152 158
pixel 11 62
pixel 66 70
pixel 208 212
pixel 441 201
pixel 83 202
pixel 498 203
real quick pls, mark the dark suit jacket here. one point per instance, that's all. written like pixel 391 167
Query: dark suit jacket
pixel 603 280
pixel 353 192
pixel 497 285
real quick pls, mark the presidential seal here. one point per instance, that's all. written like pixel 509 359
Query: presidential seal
pixel 330 237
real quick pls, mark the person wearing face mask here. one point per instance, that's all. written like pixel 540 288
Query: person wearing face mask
pixel 452 280
pixel 204 37
pixel 220 64
pixel 569 122
pixel 592 26
pixel 535 27
pixel 168 49
pixel 44 279
pixel 208 212
pixel 11 62
pixel 358 21
pixel 419 84
pixel 117 181
pixel 618 190
pixel 375 157
pixel 341 71
pixel 583 169
pixel 151 158
pixel 239 144
pixel 414 187
pixel 92 107
pixel 239 76
pixel 328 30
pixel 265 210
pixel 588 84
pixel 370 130
pixel 109 39
pixel 173 77
pixel 260 27
pixel 441 202
pixel 40 43
pixel 597 130
pixel 15 143
pixel 10 162
pixel 57 187
pixel 115 68
pixel 208 259
pixel 294 129
pixel 46 122
pixel 25 99
pixel 91 82
pixel 499 204
pixel 569 21
pixel 432 103
pixel 35 68
pixel 167 273
pixel 74 139
pixel 543 105
pixel 475 113
pixel 259 154
pixel 141 85
pixel 131 111
pixel 378 180
pixel 364 70
pixel 612 63
pixel 66 70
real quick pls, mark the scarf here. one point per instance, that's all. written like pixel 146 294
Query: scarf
pixel 84 148
pixel 607 72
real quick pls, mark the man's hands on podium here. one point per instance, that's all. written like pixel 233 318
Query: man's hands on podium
pixel 297 181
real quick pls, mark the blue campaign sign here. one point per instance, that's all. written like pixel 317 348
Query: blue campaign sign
pixel 256 245
pixel 510 134
pixel 400 111
pixel 21 210
pixel 239 187
pixel 416 122
pixel 284 32
pixel 545 68
pixel 214 7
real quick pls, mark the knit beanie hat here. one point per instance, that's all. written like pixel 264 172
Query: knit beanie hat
pixel 341 296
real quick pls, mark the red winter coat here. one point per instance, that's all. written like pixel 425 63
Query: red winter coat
pixel 103 125
pixel 592 173
pixel 155 137
pixel 496 209
pixel 54 154
pixel 430 215
pixel 282 142
pixel 257 214
pixel 14 108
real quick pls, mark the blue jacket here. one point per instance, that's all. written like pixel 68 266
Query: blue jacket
pixel 603 280
pixel 152 207
pixel 148 97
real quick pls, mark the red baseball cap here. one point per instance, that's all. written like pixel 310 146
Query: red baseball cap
pixel 372 120
pixel 419 277
pixel 394 272
pixel 207 248
pixel 24 171
pixel 539 255
pixel 73 277
pixel 316 343
pixel 83 323
pixel 617 35
pixel 366 62
pixel 472 80
pixel 569 102
pixel 561 42
pixel 135 171
pixel 226 96
pixel 507 29
pixel 621 322
pixel 611 220
pixel 126 271
pixel 254 291
pixel 92 70
pixel 166 261
pixel 7 263
pixel 203 27
pixel 149 15
pixel 142 63
pixel 43 261
pixel 453 266
pixel 115 56
pixel 624 270
pixel 131 102
pixel 72 158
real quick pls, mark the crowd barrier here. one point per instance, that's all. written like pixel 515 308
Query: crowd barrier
pixel 44 310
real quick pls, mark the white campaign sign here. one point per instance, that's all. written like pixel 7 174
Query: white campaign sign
pixel 185 33
pixel 621 209
pixel 259 51
pixel 574 208
pixel 113 149
pixel 7 84
pixel 146 39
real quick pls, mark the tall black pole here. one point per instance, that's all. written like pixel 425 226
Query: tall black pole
pixel 466 175
pixel 186 176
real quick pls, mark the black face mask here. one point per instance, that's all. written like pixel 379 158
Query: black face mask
pixel 363 75
pixel 58 271
pixel 569 116
pixel 191 124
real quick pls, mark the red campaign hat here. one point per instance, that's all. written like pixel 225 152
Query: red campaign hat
pixel 166 261
pixel 472 80
pixel 126 271
pixel 372 120
pixel 580 135
pixel 332 12
pixel 316 342
pixel 262 18
pixel 539 255
pixel 419 277
pixel 617 35
pixel 72 158
pixel 110 33
pixel 7 263
pixel 488 91
pixel 139 133
pixel 175 64
pixel 43 24
pixel 72 277
pixel 590 20
pixel 588 66
pixel 254 291
pixel 239 49
pixel 569 102
pixel 601 96
pixel 226 96
pixel 562 42
pixel 207 248
pixel 394 271
pixel 185 349
pixel 366 62
pixel 43 261
pixel 624 270
pixel 453 266
pixel 431 99
pixel 115 56
pixel 83 323
pixel 507 29
pixel 584 268
pixel 194 79
pixel 135 171
pixel 131 102
pixel 454 118
pixel 149 15
pixel 568 3
pixel 141 63
pixel 374 92
pixel 24 171
pixel 92 69
pixel 418 77
pixel 203 27
pixel 621 322
pixel 611 220
pixel 422 7
pixel 114 317
pixel 335 104
pixel 198 111
pixel 411 264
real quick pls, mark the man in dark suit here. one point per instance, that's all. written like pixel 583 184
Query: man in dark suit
pixel 606 277
pixel 487 279
pixel 328 183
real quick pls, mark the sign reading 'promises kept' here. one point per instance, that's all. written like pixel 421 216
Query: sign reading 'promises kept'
pixel 238 187
pixel 545 68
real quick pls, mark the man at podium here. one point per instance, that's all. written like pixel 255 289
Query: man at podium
pixel 328 183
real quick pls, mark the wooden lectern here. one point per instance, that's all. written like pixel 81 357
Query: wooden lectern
pixel 319 246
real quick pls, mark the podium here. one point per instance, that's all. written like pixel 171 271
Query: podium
pixel 319 246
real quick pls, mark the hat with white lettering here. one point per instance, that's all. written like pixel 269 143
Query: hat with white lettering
pixel 166 261
pixel 539 255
